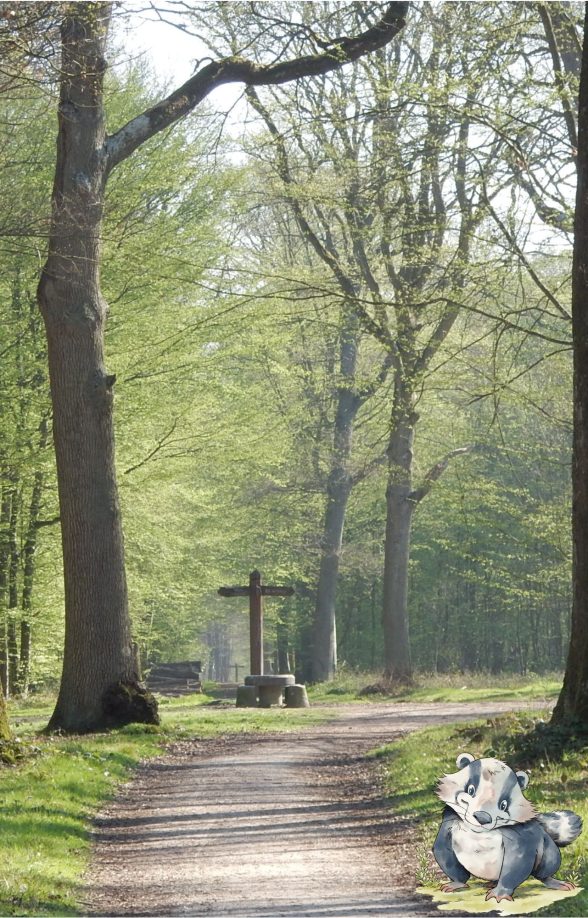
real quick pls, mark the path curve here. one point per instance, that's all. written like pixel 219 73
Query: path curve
pixel 257 827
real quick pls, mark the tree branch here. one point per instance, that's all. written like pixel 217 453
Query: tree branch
pixel 559 75
pixel 434 474
pixel 325 252
pixel 38 524
pixel 238 70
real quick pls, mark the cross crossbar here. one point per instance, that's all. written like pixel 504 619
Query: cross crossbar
pixel 265 591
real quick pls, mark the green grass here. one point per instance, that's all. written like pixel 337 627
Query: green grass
pixel 448 688
pixel 50 796
pixel 47 803
pixel 559 775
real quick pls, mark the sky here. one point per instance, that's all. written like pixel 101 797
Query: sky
pixel 169 50
pixel 171 53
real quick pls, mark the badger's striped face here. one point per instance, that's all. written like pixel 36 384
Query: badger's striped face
pixel 486 793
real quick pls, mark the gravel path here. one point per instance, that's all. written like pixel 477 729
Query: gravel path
pixel 256 827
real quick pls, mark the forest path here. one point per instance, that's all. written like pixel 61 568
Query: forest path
pixel 259 826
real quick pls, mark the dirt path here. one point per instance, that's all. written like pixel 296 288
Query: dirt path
pixel 258 827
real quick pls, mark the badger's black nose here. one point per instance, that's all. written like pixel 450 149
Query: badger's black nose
pixel 483 817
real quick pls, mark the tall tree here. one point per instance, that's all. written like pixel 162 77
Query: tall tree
pixel 100 682
pixel 350 393
pixel 390 210
pixel 572 704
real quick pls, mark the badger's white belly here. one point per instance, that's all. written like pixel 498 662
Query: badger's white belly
pixel 480 852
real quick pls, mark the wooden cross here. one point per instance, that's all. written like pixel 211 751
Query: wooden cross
pixel 256 591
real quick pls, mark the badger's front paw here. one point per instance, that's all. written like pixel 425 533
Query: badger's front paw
pixel 498 894
pixel 452 887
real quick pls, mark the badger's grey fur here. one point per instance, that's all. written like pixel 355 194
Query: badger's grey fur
pixel 563 826
pixel 490 830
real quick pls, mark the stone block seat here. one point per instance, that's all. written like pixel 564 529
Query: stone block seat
pixel 270 688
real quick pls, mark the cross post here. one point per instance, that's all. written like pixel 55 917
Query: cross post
pixel 256 591
pixel 255 624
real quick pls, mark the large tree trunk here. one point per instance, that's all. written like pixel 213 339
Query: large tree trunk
pixel 572 705
pixel 399 512
pixel 324 656
pixel 99 682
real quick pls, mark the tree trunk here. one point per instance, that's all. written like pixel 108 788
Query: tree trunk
pixel 11 629
pixel 29 555
pixel 399 512
pixel 572 705
pixel 283 647
pixel 99 683
pixel 324 651
pixel 4 727
pixel 324 655
pixel 5 512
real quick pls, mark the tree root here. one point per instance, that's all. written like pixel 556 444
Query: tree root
pixel 129 703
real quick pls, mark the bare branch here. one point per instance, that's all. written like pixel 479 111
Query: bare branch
pixel 434 474
pixel 159 445
pixel 238 70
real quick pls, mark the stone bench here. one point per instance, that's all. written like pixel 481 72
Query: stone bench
pixel 263 691
pixel 269 689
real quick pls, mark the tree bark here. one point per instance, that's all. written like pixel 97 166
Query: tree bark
pixel 572 705
pixel 4 726
pixel 5 512
pixel 399 513
pixel 283 647
pixel 29 555
pixel 11 621
pixel 324 656
pixel 98 648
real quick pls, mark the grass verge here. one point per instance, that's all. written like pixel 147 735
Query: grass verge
pixel 431 687
pixel 57 784
pixel 559 772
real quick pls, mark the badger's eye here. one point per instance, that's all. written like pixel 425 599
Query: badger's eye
pixel 471 790
pixel 503 805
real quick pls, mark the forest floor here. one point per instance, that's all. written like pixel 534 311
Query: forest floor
pixel 289 825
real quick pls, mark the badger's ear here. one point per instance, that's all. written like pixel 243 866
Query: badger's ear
pixel 523 779
pixel 463 759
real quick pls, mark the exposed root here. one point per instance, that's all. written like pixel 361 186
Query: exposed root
pixel 129 703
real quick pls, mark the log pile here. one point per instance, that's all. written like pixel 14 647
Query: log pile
pixel 182 678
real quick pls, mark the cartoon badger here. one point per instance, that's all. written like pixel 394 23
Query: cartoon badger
pixel 491 831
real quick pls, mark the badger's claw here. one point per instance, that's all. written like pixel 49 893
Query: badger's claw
pixel 452 887
pixel 492 894
pixel 564 885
